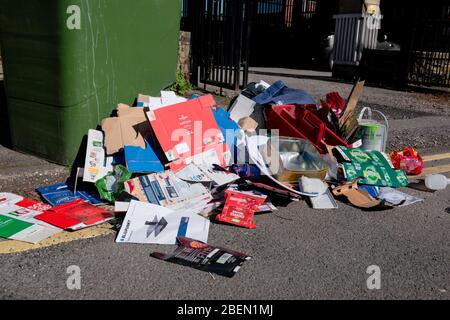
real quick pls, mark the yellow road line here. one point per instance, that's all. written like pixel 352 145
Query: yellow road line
pixel 12 246
pixel 436 157
pixel 433 170
pixel 438 169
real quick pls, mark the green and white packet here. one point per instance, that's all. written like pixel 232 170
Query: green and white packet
pixel 372 167
pixel 21 230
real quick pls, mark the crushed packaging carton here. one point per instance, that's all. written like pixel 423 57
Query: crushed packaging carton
pixel 348 122
pixel 33 205
pixel 205 257
pixel 358 197
pixel 16 228
pixel 230 129
pixel 25 209
pixel 242 107
pixel 131 133
pixel 62 193
pixel 188 132
pixel 20 216
pixel 167 190
pixel 6 197
pixel 140 160
pixel 206 174
pixel 97 165
pixel 75 215
pixel 240 207
pixel 373 167
pixel 129 128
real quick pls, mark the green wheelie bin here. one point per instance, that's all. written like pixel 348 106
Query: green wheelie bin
pixel 68 63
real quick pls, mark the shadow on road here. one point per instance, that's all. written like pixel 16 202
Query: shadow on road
pixel 5 134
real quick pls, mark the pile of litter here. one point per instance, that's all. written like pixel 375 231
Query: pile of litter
pixel 171 165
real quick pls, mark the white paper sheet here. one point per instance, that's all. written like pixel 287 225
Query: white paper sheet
pixel 243 107
pixel 147 223
pixel 205 174
pixel 167 98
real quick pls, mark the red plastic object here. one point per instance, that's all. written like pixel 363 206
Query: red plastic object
pixel 409 160
pixel 296 121
pixel 336 103
pixel 240 208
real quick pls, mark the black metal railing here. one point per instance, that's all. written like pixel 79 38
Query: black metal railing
pixel 186 15
pixel 429 56
pixel 220 30
pixel 227 34
pixel 423 31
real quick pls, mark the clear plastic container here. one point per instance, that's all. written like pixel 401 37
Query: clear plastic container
pixel 291 158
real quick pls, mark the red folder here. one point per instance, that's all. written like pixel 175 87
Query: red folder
pixel 75 215
pixel 187 130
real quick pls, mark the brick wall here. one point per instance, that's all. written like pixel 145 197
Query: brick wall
pixel 184 58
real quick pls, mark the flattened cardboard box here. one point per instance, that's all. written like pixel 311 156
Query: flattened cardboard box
pixel 187 131
pixel 166 190
pixel 96 165
pixel 130 128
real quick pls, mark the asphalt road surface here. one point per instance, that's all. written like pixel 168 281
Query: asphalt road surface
pixel 299 253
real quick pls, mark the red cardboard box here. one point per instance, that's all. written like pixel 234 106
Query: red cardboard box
pixel 75 215
pixel 188 131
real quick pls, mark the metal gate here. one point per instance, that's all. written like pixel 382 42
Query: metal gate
pixel 220 36
pixel 423 31
pixel 429 53
pixel 227 34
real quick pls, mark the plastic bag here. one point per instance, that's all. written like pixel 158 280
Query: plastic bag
pixel 112 185
pixel 409 160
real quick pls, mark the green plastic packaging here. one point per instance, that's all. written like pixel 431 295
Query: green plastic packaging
pixel 112 185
